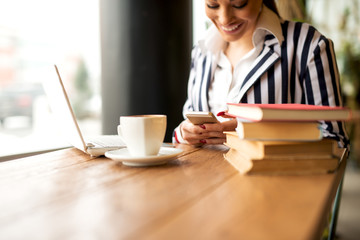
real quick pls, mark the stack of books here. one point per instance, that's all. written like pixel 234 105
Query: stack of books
pixel 282 138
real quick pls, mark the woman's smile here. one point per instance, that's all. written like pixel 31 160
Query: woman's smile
pixel 235 19
pixel 231 29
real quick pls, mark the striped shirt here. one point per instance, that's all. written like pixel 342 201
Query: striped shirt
pixel 297 67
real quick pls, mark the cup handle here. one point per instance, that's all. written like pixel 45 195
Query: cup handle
pixel 120 133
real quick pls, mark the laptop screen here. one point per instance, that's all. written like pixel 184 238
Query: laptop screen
pixel 62 110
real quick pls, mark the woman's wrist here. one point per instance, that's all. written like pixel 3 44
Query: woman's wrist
pixel 178 136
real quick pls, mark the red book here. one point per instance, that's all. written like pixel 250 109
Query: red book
pixel 287 112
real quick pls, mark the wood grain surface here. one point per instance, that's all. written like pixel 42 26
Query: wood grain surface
pixel 69 195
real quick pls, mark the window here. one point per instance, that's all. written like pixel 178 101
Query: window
pixel 34 35
pixel 200 20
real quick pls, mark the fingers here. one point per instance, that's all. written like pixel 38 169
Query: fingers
pixel 191 133
pixel 230 125
pixel 205 133
pixel 224 114
pixel 211 133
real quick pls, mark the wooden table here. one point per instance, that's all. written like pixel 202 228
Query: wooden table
pixel 68 195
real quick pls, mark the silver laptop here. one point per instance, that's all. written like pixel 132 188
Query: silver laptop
pixel 63 112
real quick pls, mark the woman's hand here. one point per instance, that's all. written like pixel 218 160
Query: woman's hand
pixel 208 133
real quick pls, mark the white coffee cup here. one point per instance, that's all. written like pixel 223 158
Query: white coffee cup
pixel 142 134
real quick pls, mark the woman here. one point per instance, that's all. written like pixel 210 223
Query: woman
pixel 251 55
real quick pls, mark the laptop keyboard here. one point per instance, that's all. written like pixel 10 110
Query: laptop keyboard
pixel 107 141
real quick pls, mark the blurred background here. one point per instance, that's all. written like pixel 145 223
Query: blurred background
pixel 133 57
pixel 86 39
pixel 35 35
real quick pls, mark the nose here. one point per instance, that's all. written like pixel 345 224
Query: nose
pixel 225 16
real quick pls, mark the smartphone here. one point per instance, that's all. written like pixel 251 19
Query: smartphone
pixel 201 117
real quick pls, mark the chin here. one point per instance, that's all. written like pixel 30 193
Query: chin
pixel 228 38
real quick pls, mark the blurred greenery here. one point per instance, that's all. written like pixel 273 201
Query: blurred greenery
pixel 83 91
pixel 348 57
pixel 349 54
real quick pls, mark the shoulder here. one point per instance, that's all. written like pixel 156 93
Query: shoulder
pixel 299 29
pixel 200 53
pixel 303 34
pixel 197 53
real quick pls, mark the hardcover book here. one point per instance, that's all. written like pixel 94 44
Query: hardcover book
pixel 285 149
pixel 279 131
pixel 287 112
pixel 247 165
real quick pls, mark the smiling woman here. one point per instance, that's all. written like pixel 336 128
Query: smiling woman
pixel 252 55
pixel 32 39
pixel 236 21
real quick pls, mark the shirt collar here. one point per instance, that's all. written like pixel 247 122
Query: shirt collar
pixel 268 22
pixel 212 41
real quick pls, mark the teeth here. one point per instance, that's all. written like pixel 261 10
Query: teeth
pixel 230 29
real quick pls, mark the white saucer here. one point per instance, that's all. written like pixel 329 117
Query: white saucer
pixel 165 154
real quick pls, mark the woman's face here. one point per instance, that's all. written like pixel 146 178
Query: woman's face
pixel 233 18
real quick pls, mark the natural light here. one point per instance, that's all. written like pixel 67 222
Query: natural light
pixel 34 35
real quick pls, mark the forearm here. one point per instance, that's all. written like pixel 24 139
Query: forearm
pixel 323 87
